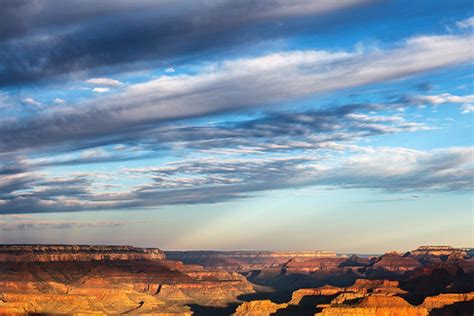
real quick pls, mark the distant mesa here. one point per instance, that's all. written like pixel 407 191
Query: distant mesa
pixel 441 251
pixel 49 253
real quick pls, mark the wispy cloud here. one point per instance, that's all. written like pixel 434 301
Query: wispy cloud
pixel 469 22
pixel 211 180
pixel 105 82
pixel 24 225
pixel 467 108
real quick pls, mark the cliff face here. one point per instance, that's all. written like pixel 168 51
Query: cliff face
pixel 242 261
pixel 383 297
pixel 49 253
pixel 395 263
pixel 108 279
pixel 437 251
pixel 380 304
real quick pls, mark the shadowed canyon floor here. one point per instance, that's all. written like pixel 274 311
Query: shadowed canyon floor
pixel 66 279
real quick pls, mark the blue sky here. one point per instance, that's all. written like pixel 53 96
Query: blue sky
pixel 344 126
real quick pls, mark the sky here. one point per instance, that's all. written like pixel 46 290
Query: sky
pixel 237 124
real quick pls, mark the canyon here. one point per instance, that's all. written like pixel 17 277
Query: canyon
pixel 85 279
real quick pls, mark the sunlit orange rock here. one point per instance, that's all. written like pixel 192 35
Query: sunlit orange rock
pixel 108 280
pixel 258 308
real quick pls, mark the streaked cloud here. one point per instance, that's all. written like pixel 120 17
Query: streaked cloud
pixel 233 85
pixel 105 82
pixel 57 41
pixel 24 225
pixel 211 180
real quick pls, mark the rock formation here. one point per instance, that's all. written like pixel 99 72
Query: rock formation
pixel 109 280
pixel 377 297
pixel 121 279
pixel 245 260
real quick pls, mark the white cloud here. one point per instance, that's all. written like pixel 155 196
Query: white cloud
pixel 31 101
pixel 170 70
pixel 443 98
pixel 467 108
pixel 59 101
pixel 101 89
pixel 247 82
pixel 469 22
pixel 105 81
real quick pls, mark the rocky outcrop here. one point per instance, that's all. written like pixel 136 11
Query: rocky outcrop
pixel 326 290
pixel 379 304
pixel 359 289
pixel 376 305
pixel 258 308
pixel 381 297
pixel 444 299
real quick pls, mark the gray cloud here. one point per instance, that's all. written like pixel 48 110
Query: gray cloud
pixel 23 225
pixel 54 39
pixel 272 132
pixel 208 180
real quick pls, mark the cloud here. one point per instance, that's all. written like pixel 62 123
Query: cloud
pixel 101 89
pixel 170 70
pixel 467 108
pixel 105 82
pixel 269 133
pixel 59 101
pixel 229 86
pixel 441 99
pixel 31 101
pixel 23 225
pixel 55 40
pixel 467 23
pixel 219 179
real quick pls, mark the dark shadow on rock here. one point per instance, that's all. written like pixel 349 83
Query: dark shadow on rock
pixel 444 279
pixel 276 297
pixel 200 310
pixel 458 309
pixel 307 306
